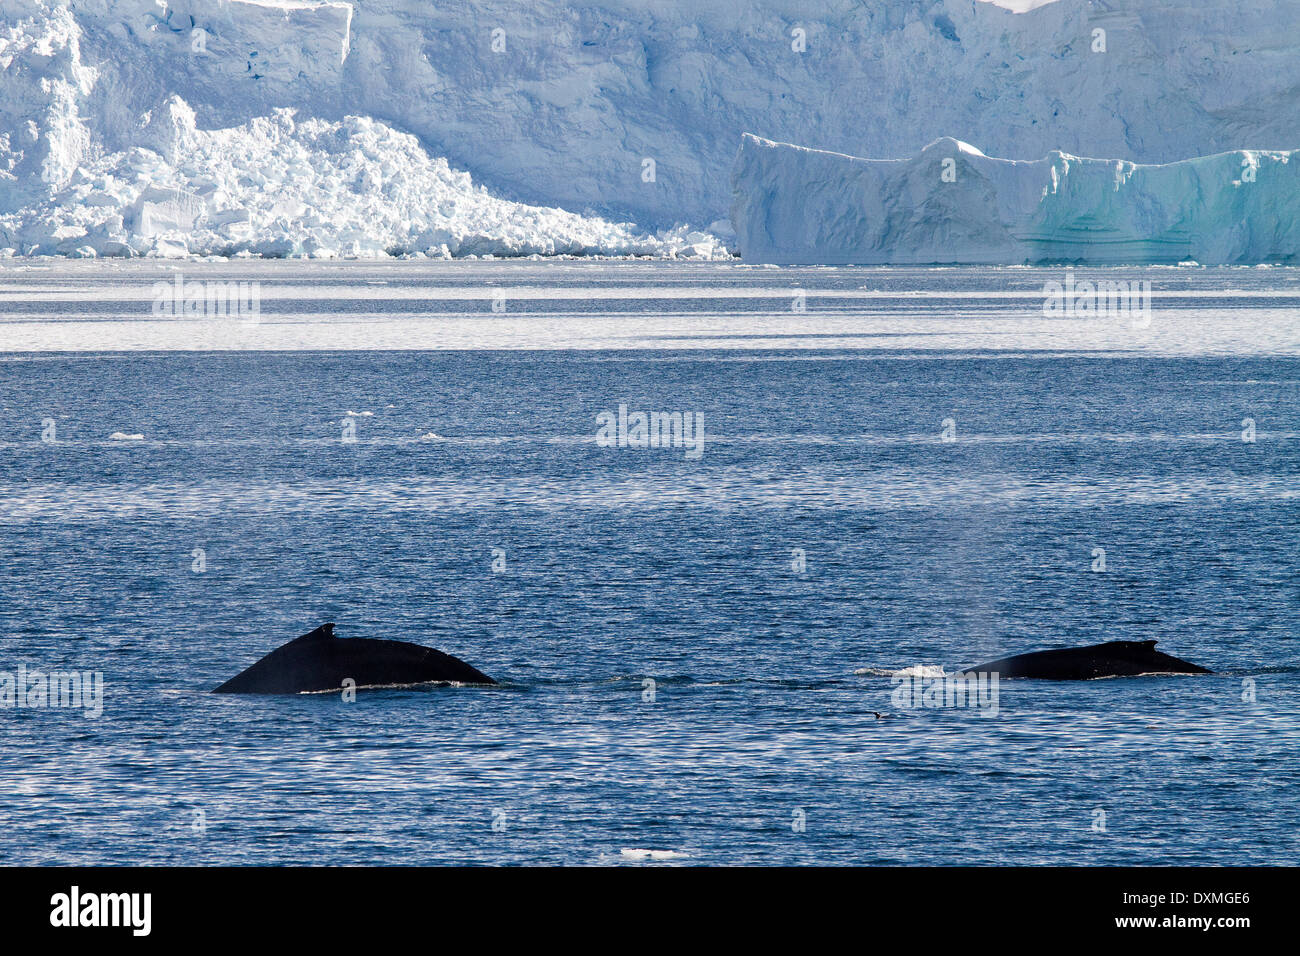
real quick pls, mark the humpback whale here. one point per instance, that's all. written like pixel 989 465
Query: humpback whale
pixel 319 661
pixel 1112 659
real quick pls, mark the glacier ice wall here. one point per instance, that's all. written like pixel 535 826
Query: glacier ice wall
pixel 952 204
pixel 556 103
pixel 583 93
pixel 85 171
pixel 621 109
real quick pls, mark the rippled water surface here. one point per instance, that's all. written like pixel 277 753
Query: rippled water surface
pixel 475 440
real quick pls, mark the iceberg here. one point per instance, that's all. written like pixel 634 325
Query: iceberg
pixel 951 204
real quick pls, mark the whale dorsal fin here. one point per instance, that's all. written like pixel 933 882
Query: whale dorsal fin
pixel 323 633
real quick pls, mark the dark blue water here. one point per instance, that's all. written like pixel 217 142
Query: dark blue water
pixel 624 564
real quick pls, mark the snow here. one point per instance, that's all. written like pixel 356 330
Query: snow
pixel 951 204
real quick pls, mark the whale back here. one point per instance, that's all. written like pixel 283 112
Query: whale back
pixel 319 661
pixel 1111 659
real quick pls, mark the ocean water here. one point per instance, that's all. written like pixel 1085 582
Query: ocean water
pixel 383 450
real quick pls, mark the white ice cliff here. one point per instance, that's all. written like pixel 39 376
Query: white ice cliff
pixel 614 110
pixel 952 204
pixel 583 93
pixel 84 174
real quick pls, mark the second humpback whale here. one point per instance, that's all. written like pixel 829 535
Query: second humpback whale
pixel 1112 659
pixel 319 661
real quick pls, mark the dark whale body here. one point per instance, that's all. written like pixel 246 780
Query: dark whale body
pixel 1112 659
pixel 319 661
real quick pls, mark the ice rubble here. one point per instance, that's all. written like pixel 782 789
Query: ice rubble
pixel 273 185
pixel 277 187
pixel 952 204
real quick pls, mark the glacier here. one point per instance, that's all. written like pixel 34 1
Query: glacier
pixel 85 174
pixel 583 93
pixel 951 204
pixel 613 111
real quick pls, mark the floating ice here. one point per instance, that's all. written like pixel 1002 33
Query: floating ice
pixel 952 204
